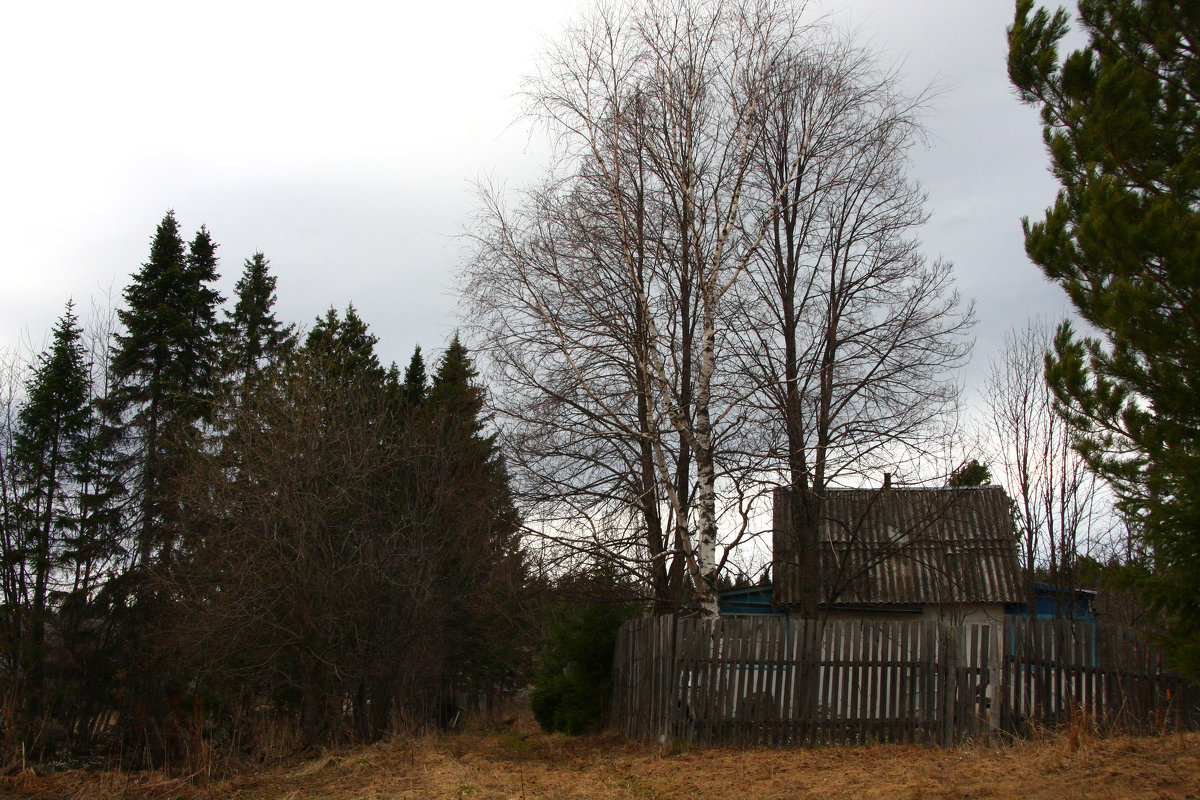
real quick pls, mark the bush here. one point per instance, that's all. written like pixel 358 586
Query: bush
pixel 574 677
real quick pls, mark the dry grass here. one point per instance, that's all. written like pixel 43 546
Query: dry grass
pixel 522 763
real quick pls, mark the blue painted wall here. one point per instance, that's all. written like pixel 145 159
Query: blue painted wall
pixel 1049 599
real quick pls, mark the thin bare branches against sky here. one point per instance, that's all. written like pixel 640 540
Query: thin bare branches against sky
pixel 342 141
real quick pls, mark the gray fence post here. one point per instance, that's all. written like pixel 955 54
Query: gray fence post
pixel 950 644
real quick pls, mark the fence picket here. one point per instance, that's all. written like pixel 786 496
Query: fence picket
pixel 775 680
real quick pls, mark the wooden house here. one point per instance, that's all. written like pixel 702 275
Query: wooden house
pixel 947 554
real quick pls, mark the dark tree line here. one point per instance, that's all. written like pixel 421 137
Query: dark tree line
pixel 208 520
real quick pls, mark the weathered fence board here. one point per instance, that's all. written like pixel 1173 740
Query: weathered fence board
pixel 777 680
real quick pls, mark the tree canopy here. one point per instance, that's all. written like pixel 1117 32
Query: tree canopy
pixel 1123 239
pixel 258 526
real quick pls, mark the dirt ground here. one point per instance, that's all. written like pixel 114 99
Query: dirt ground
pixel 525 764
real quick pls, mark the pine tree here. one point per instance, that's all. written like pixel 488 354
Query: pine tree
pixel 164 375
pixel 1123 239
pixel 50 453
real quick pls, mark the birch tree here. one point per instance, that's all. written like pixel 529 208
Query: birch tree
pixel 720 282
pixel 606 301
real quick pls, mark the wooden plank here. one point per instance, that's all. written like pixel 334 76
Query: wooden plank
pixel 927 684
pixel 983 681
pixel 899 704
pixel 766 698
pixel 713 642
pixel 889 709
pixel 798 637
pixel 1059 667
pixel 1083 668
pixel 912 682
pixel 765 682
pixel 729 682
pixel 1022 675
pixel 841 705
pixel 892 697
pixel 737 682
pixel 1006 676
pixel 822 719
pixel 810 686
pixel 685 713
pixel 744 677
pixel 949 647
pixel 882 636
pixel 996 678
pixel 858 680
pixel 720 653
pixel 778 684
pixel 790 677
pixel 645 671
pixel 749 681
pixel 877 701
pixel 824 716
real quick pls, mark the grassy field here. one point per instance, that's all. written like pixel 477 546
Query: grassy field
pixel 522 763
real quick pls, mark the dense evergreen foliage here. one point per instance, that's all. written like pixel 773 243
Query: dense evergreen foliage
pixel 49 460
pixel 1121 119
pixel 574 678
pixel 252 336
pixel 163 373
pixel 222 530
pixel 972 473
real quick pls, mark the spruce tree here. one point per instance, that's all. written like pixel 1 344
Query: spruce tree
pixel 972 473
pixel 199 344
pixel 416 382
pixel 253 337
pixel 345 348
pixel 456 390
pixel 164 376
pixel 481 566
pixel 1121 121
pixel 50 454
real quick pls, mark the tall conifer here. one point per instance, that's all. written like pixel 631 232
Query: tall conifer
pixel 345 348
pixel 1121 119
pixel 164 375
pixel 416 381
pixel 481 565
pixel 50 454
pixel 253 337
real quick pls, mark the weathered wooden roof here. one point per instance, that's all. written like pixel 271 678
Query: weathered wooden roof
pixel 899 546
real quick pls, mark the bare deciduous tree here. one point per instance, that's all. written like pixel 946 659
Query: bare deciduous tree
pixel 1059 507
pixel 855 333
pixel 605 302
pixel 719 281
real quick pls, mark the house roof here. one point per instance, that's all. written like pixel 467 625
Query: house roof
pixel 900 546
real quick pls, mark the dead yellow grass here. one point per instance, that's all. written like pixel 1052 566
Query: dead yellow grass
pixel 526 765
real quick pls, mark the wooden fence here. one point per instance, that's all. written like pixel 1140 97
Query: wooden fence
pixel 776 680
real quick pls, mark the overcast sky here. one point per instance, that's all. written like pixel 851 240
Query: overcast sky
pixel 341 140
